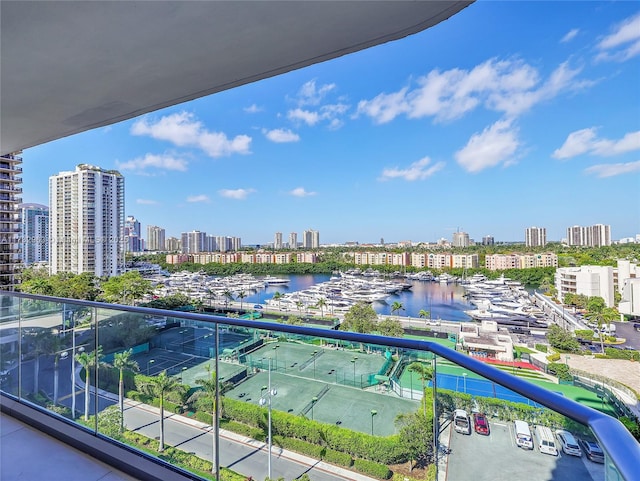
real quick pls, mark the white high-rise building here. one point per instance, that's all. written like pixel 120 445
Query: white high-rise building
pixel 460 239
pixel 535 237
pixel 277 241
pixel 35 233
pixel 311 239
pixel 592 236
pixel 86 221
pixel 155 238
pixel 194 242
pixel 293 240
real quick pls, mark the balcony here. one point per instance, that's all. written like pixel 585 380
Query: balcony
pixel 326 386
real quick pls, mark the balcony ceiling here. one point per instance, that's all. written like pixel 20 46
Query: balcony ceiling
pixel 66 66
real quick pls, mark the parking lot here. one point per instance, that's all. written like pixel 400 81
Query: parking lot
pixel 496 457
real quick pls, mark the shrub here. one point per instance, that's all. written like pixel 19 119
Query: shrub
pixel 336 457
pixel 379 471
pixel 541 347
pixel 553 357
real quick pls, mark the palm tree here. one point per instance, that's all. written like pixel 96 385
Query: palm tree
pixel 122 361
pixel 88 360
pixel 598 312
pixel 228 296
pixel 424 314
pixel 210 390
pixel 277 296
pixel 321 304
pixel 159 386
pixel 396 306
pixel 299 305
pixel 241 296
pixel 425 374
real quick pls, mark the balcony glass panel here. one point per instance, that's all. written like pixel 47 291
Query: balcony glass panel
pixel 250 395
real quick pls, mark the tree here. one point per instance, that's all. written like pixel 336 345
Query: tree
pixel 300 305
pixel 396 307
pixel 160 386
pixel 209 391
pixel 423 314
pixel 42 344
pixel 121 361
pixel 598 312
pixel 277 296
pixel 241 296
pixel 321 304
pixel 390 327
pixel 562 339
pixel 129 286
pixel 88 360
pixel 360 318
pixel 426 374
pixel 228 297
pixel 416 438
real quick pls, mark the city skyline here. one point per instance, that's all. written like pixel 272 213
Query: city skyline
pixel 488 133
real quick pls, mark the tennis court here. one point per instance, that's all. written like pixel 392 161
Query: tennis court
pixel 327 364
pixel 199 341
pixel 334 404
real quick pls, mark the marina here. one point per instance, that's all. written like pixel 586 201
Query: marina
pixel 418 295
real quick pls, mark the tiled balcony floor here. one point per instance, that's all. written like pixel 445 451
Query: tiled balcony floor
pixel 30 455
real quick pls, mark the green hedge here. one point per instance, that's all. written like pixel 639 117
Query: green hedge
pixel 613 353
pixel 369 468
pixel 541 347
pixel 336 457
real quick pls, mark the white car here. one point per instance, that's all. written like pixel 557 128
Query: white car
pixel 568 443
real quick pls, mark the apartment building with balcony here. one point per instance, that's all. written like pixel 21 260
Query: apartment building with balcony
pixel 10 228
pixel 586 280
pixel 87 221
pixel 591 236
pixel 495 262
pixel 535 236
pixel 155 238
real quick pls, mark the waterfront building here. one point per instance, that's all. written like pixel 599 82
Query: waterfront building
pixel 277 241
pixel 86 221
pixel 496 262
pixel 10 218
pixel 586 280
pixel 35 233
pixel 293 240
pixel 468 261
pixel 132 235
pixel 630 302
pixel 460 239
pixel 155 238
pixel 535 237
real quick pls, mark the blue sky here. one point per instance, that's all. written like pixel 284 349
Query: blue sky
pixel 506 116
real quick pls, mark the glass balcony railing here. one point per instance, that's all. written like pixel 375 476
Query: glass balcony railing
pixel 249 397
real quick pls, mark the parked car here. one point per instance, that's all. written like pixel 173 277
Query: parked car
pixel 636 326
pixel 592 451
pixel 568 443
pixel 461 421
pixel 480 424
pixel 257 306
pixel 523 434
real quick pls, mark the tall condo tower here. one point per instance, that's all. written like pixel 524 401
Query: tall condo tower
pixel 155 238
pixel 535 237
pixel 86 221
pixel 9 219
pixel 35 233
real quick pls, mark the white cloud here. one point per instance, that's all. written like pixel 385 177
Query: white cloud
pixel 309 94
pixel 300 192
pixel 586 141
pixel 610 170
pixel 306 116
pixel 623 43
pixel 418 170
pixel 163 162
pixel 198 198
pixel 570 35
pixel 253 109
pixel 508 86
pixel 238 194
pixel 146 202
pixel 281 135
pixel 495 145
pixel 182 129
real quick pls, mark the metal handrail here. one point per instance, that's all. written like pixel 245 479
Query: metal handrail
pixel 614 437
